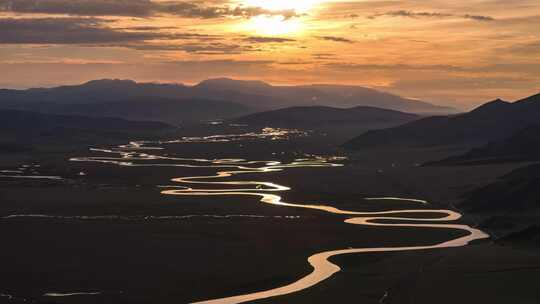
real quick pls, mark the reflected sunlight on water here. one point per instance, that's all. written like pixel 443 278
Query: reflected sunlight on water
pixel 323 269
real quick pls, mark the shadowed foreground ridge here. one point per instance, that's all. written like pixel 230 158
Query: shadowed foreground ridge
pixel 522 146
pixel 492 121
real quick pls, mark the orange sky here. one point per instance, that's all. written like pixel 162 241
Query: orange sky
pixel 459 53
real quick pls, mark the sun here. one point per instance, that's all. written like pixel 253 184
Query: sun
pixel 300 6
pixel 276 24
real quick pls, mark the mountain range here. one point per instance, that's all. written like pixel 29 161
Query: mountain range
pixel 340 96
pixel 492 121
pixel 211 99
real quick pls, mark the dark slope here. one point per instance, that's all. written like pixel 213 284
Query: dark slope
pixel 528 238
pixel 170 111
pixel 493 121
pixel 27 129
pixel 517 192
pixel 24 121
pixel 320 116
pixel 510 207
pixel 521 146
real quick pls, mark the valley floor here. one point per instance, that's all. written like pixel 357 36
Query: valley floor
pixel 128 249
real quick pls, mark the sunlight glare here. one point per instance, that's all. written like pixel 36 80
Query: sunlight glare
pixel 300 6
pixel 273 25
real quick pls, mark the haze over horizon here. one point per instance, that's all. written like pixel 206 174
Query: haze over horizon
pixel 460 54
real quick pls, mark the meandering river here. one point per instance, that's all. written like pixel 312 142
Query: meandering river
pixel 219 184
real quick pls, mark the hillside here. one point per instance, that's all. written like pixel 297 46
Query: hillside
pixel 171 111
pixel 524 145
pixel 22 130
pixel 321 116
pixel 515 193
pixel 509 207
pixel 495 120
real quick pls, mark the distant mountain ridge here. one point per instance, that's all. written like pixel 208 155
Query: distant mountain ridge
pixel 495 120
pixel 211 99
pixel 93 91
pixel 340 96
pixel 124 99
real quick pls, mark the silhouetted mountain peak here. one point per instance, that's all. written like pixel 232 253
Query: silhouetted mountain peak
pixel 252 95
pixel 232 84
pixel 493 106
pixel 127 84
pixel 109 83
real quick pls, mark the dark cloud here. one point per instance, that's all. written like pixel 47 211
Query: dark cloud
pixel 63 31
pixel 76 30
pixel 294 62
pixel 403 13
pixel 96 32
pixel 216 48
pixel 392 67
pixel 323 56
pixel 335 39
pixel 221 62
pixel 243 11
pixel 529 49
pixel 411 14
pixel 80 7
pixel 478 17
pixel 135 8
pixel 190 10
pixel 256 39
pixel 147 28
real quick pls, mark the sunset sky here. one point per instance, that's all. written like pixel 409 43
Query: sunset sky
pixel 460 52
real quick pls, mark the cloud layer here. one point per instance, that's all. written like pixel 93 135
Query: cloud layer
pixel 411 14
pixel 134 8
